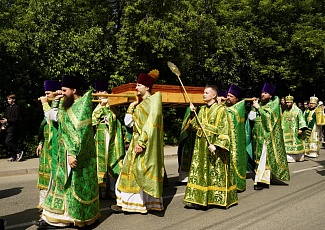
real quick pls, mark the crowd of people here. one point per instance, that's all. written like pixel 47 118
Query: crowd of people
pixel 85 156
pixel 87 153
pixel 229 142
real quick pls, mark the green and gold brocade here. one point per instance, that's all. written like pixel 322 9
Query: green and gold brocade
pixel 211 178
pixel 145 170
pixel 313 134
pixel 267 127
pixel 187 141
pixel 75 192
pixel 45 159
pixel 52 138
pixel 109 143
pixel 237 135
pixel 293 121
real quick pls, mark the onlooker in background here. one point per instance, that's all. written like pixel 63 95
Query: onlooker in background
pixel 11 121
pixel 301 106
pixel 306 105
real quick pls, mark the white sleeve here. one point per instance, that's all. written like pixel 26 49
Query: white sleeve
pixel 128 121
pixel 252 115
pixel 52 115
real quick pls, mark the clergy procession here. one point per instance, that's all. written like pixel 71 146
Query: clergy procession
pixel 89 150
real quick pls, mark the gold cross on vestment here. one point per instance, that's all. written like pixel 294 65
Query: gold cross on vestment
pixel 309 118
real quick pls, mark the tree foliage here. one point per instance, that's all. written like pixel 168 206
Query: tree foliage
pixel 247 42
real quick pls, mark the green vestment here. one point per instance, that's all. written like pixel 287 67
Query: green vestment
pixel 249 147
pixel 267 128
pixel 293 121
pixel 145 170
pixel 75 193
pixel 186 142
pixel 313 134
pixel 211 179
pixel 238 143
pixel 48 136
pixel 109 143
pixel 44 169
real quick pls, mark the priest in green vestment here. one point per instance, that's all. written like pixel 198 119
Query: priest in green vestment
pixel 237 132
pixel 73 193
pixel 268 144
pixel 43 149
pixel 109 143
pixel 293 124
pixel 140 184
pixel 185 148
pixel 211 179
pixel 313 135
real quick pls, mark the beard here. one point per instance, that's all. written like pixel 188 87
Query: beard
pixel 67 102
pixel 264 100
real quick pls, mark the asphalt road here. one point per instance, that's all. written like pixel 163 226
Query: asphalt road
pixel 297 204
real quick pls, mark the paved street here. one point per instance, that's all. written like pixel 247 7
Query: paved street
pixel 298 204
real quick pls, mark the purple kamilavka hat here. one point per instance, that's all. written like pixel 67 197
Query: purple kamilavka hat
pixel 101 85
pixel 235 90
pixel 222 93
pixel 268 89
pixel 52 85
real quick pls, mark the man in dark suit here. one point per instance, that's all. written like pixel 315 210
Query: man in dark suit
pixel 11 121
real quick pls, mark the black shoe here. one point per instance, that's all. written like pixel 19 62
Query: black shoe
pixel 180 183
pixel 188 205
pixel 195 206
pixel 257 187
pixel 260 186
pixel 41 224
pixel 116 209
pixel 201 207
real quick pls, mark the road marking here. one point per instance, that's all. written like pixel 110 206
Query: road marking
pixel 308 169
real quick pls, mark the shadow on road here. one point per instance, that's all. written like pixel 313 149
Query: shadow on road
pixel 168 194
pixel 277 182
pixel 321 171
pixel 22 220
pixel 10 192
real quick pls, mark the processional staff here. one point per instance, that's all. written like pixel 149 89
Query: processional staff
pixel 251 99
pixel 127 95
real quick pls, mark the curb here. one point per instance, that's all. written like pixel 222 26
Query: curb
pixel 17 172
pixel 34 170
